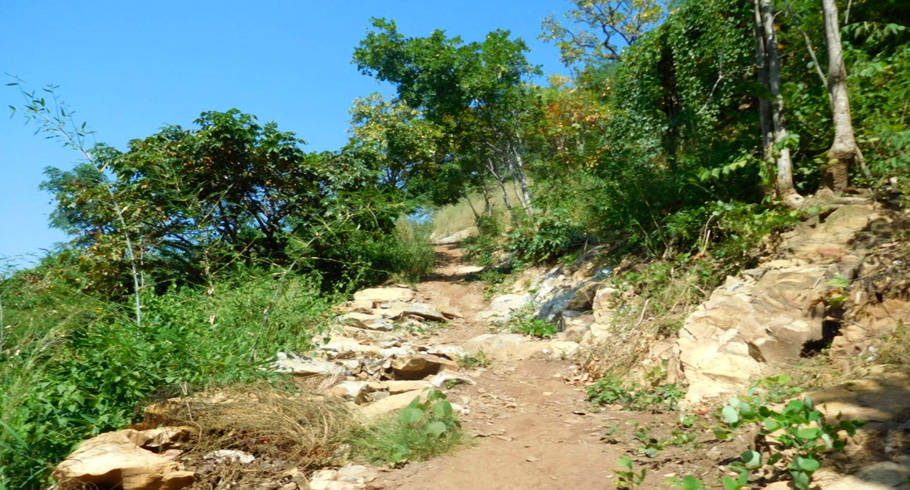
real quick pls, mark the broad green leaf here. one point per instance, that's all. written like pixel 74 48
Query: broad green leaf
pixel 751 459
pixel 730 415
pixel 436 429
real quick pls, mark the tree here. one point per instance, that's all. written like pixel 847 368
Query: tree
pixel 844 151
pixel 775 138
pixel 475 92
pixel 604 28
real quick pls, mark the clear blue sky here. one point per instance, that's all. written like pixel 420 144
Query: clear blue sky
pixel 128 68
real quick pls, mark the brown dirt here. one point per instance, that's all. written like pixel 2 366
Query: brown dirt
pixel 530 426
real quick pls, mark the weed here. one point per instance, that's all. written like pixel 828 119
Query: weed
pixel 478 360
pixel 628 478
pixel 795 436
pixel 421 430
pixel 611 390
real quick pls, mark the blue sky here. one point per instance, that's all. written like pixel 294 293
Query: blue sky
pixel 128 68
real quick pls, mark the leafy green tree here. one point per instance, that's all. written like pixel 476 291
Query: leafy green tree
pixel 475 92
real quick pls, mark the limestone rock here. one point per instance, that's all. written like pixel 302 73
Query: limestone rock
pixel 770 313
pixel 117 459
pixel 366 320
pixel 389 404
pixel 418 366
pixel 306 366
pixel 384 294
pixel 447 377
pixel 402 310
pixel 349 477
pixel 504 306
pixel 605 301
pixel 350 390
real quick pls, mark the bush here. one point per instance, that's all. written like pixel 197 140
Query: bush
pixel 545 236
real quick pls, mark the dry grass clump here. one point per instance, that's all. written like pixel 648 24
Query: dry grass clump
pixel 282 429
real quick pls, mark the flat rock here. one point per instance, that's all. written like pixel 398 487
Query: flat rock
pixel 342 347
pixel 504 306
pixel 306 366
pixel 389 404
pixel 394 387
pixel 384 294
pixel 117 459
pixel 400 310
pixel 350 390
pixel 418 366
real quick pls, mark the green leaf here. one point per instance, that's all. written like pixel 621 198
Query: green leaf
pixel 411 415
pixel 751 459
pixel 436 429
pixel 808 433
pixel 730 414
pixel 442 409
pixel 808 465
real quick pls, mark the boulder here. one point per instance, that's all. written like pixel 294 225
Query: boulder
pixel 379 295
pixel 118 459
pixel 354 391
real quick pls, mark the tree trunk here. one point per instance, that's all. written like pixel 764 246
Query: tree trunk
pixel 502 184
pixel 521 177
pixel 783 183
pixel 844 151
pixel 764 109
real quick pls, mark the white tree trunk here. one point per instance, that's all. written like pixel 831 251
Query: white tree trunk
pixel 844 150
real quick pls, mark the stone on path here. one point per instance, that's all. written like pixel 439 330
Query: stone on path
pixel 348 477
pixel 418 366
pixel 389 404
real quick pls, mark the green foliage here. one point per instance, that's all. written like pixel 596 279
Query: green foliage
pixel 545 236
pixel 797 435
pixel 420 431
pixel 532 326
pixel 627 477
pixel 632 396
pixel 479 360
pixel 72 366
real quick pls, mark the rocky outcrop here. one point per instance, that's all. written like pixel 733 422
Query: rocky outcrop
pixel 128 459
pixel 776 311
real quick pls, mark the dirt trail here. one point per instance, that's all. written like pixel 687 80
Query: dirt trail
pixel 531 429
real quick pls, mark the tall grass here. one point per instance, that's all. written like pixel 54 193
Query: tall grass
pixel 72 366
